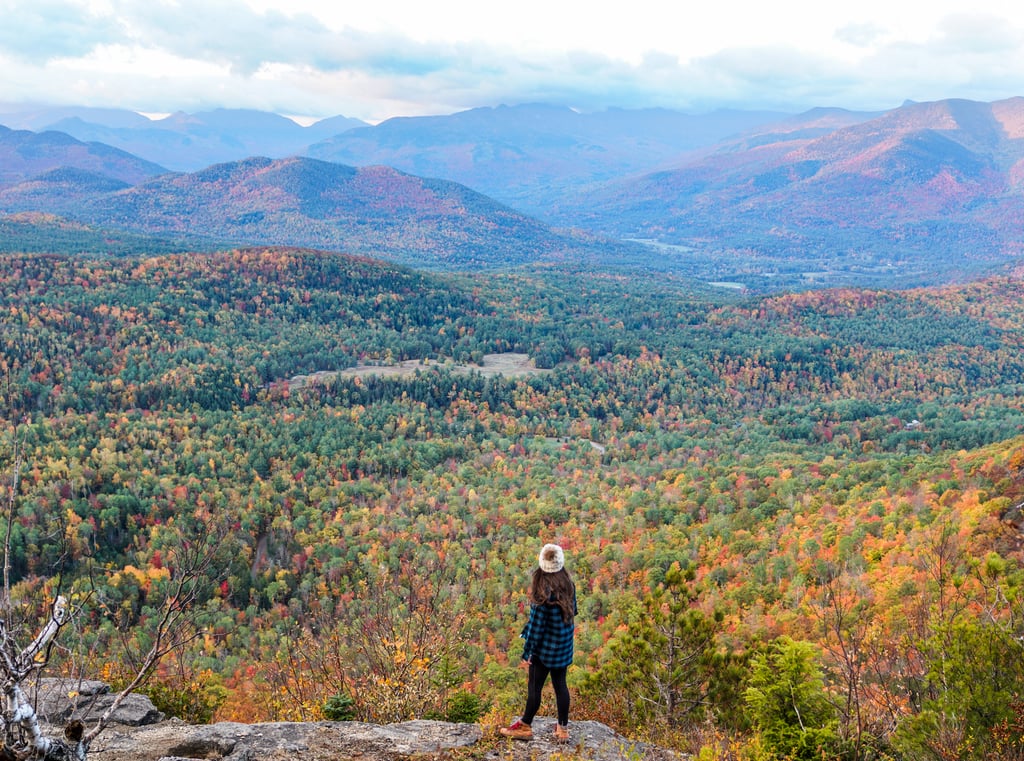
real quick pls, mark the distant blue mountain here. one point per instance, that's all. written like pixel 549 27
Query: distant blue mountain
pixel 182 142
pixel 530 156
pixel 37 117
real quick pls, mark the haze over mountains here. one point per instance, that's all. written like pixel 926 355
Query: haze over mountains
pixel 922 193
pixel 181 142
pixel 531 156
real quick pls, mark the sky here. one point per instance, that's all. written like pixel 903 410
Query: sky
pixel 375 59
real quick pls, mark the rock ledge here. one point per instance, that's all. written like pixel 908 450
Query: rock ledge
pixel 174 740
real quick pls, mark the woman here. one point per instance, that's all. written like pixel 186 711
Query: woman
pixel 548 646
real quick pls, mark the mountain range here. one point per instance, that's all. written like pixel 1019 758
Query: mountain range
pixel 180 141
pixel 374 211
pixel 922 193
pixel 926 187
pixel 531 156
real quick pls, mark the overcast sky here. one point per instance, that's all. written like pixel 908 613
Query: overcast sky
pixel 373 59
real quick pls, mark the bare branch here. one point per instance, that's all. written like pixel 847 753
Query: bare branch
pixel 58 617
pixel 11 502
pixel 176 626
pixel 196 553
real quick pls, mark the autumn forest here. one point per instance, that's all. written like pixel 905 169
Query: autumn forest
pixel 794 520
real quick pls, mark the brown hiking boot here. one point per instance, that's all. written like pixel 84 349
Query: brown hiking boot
pixel 561 734
pixel 518 730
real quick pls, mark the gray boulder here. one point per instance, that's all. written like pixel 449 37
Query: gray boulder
pixel 60 700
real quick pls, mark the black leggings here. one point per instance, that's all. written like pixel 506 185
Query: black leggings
pixel 539 675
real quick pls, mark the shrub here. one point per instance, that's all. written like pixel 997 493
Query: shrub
pixel 194 701
pixel 464 707
pixel 339 707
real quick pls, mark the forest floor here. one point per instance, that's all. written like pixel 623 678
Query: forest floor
pixel 509 364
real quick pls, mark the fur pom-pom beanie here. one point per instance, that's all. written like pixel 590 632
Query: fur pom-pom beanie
pixel 551 558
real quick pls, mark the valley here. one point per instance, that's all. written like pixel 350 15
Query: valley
pixel 920 195
pixel 765 389
pixel 787 453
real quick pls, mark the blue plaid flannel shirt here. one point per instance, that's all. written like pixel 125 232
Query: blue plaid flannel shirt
pixel 548 637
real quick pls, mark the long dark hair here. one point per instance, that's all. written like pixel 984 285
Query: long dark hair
pixel 554 588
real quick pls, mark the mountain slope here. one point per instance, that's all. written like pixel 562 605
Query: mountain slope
pixel 376 211
pixel 58 189
pixel 529 155
pixel 182 141
pixel 938 184
pixel 40 117
pixel 24 155
pixel 35 233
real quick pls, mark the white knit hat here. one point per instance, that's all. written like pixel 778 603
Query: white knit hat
pixel 551 558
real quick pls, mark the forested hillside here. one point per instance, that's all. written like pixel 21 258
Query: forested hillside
pixel 923 194
pixel 794 521
pixel 27 154
pixel 421 222
pixel 38 233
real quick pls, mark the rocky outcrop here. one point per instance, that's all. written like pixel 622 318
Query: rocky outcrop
pixel 138 732
pixel 341 741
pixel 59 701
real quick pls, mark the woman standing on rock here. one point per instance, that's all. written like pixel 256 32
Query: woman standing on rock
pixel 548 636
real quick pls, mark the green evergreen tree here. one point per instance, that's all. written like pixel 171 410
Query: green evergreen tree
pixel 973 693
pixel 789 706
pixel 665 666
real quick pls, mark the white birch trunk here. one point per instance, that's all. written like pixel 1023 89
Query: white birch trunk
pixel 23 736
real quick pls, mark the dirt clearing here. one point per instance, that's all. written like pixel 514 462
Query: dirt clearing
pixel 509 364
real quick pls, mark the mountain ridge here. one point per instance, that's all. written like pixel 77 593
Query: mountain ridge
pixel 25 154
pixel 923 193
pixel 929 185
pixel 528 155
pixel 183 141
pixel 376 211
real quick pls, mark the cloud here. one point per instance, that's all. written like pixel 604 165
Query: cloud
pixel 45 30
pixel 973 34
pixel 862 35
pixel 232 34
pixel 969 56
pixel 165 55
